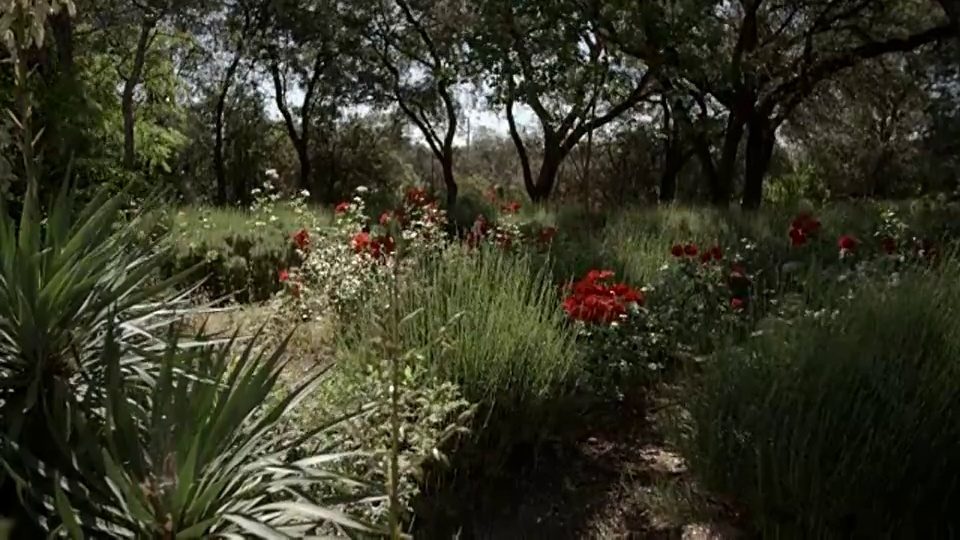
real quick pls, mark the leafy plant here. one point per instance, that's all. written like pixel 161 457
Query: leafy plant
pixel 841 423
pixel 204 456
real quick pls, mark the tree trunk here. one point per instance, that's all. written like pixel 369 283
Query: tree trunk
pixel 305 166
pixel 722 186
pixel 449 181
pixel 672 165
pixel 761 138
pixel 547 177
pixel 129 86
pixel 219 167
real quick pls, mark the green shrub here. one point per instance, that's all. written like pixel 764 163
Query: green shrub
pixel 239 251
pixel 842 425
pixel 509 349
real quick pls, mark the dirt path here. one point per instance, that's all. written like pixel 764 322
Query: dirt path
pixel 620 481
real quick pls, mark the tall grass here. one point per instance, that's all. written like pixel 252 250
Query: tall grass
pixel 506 345
pixel 845 426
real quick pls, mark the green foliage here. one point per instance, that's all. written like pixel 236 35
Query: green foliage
pixel 505 345
pixel 203 456
pixel 801 186
pixel 841 424
pixel 240 252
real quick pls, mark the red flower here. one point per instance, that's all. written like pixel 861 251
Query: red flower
pixel 342 207
pixel 546 235
pixel 806 223
pixel 627 293
pixel 737 303
pixel 361 241
pixel 385 219
pixel 302 239
pixel 705 257
pixel 595 302
pixel 716 253
pixel 418 196
pixel 677 251
pixel 802 228
pixel 598 275
pixel 888 245
pixel 848 243
pixel 480 226
pixel 690 250
pixel 797 237
pixel 511 207
pixel 283 275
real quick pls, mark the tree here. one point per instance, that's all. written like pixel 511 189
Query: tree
pixel 307 47
pixel 244 19
pixel 556 60
pixel 775 56
pixel 147 20
pixel 417 50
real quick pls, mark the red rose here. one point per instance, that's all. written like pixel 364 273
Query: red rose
pixel 677 251
pixel 598 275
pixel 690 250
pixel 385 219
pixel 705 257
pixel 848 243
pixel 283 275
pixel 511 207
pixel 342 207
pixel 417 196
pixel 797 237
pixel 737 303
pixel 302 239
pixel 361 241
pixel 806 223
pixel 716 253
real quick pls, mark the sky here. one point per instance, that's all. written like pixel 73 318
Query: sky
pixel 479 117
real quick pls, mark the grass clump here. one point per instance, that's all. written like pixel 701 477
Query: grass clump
pixel 844 425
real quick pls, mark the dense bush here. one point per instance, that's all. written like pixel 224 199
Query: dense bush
pixel 240 251
pixel 843 424
pixel 505 344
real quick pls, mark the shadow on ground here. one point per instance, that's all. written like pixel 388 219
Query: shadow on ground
pixel 618 481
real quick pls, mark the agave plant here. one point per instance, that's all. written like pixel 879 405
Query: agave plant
pixel 205 458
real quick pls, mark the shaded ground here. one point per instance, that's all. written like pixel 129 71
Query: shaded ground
pixel 619 481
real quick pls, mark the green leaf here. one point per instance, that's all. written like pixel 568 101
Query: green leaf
pixel 66 513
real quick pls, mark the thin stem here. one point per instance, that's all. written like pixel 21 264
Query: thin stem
pixel 394 340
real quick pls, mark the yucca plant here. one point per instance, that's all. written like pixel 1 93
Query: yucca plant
pixel 204 458
pixel 63 282
pixel 111 429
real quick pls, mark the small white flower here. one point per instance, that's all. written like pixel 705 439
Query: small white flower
pixel 273 219
pixel 304 192
pixel 362 189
